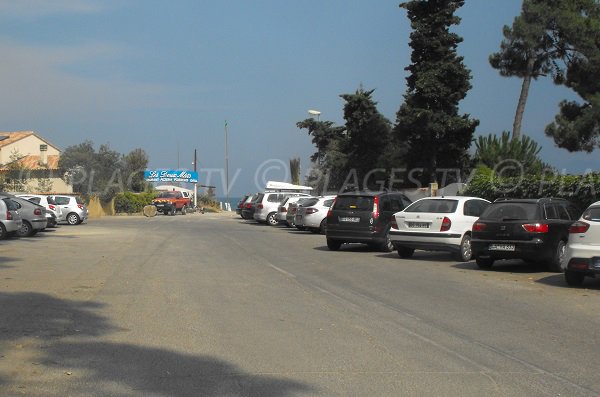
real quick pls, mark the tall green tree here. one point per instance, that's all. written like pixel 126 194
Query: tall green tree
pixel 368 134
pixel 295 170
pixel 428 120
pixel 322 133
pixel 134 165
pixel 527 51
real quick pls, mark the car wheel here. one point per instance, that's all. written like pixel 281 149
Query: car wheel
pixel 387 245
pixel 465 254
pixel 405 252
pixel 26 230
pixel 574 279
pixel 323 227
pixel 272 219
pixel 484 263
pixel 559 256
pixel 73 219
pixel 333 245
pixel 183 210
pixel 3 233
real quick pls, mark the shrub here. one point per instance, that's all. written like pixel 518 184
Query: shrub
pixel 128 202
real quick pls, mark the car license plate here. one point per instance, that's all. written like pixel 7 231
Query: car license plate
pixel 418 225
pixel 502 247
pixel 349 219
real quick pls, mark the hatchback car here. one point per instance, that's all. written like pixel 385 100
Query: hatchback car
pixel 33 217
pixel 53 212
pixel 249 206
pixel 73 208
pixel 290 217
pixel 10 219
pixel 267 204
pixel 314 217
pixel 583 249
pixel 535 230
pixel 437 224
pixel 240 205
pixel 282 210
pixel 363 217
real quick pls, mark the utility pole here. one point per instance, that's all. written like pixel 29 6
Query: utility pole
pixel 195 184
pixel 226 167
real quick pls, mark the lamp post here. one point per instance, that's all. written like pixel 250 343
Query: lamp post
pixel 313 113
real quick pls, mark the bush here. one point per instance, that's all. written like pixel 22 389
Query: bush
pixel 581 190
pixel 129 202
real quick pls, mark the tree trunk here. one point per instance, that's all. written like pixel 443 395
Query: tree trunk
pixel 516 135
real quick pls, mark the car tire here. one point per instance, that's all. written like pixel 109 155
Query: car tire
pixel 484 263
pixel 3 233
pixel 183 210
pixel 333 245
pixel 323 226
pixel 73 219
pixel 387 245
pixel 405 252
pixel 559 255
pixel 574 279
pixel 465 253
pixel 272 219
pixel 26 229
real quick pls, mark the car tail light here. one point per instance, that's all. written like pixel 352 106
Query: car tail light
pixel 248 206
pixel 53 208
pixel 479 227
pixel 579 227
pixel 446 224
pixel 80 206
pixel 393 223
pixel 260 206
pixel 376 208
pixel 8 216
pixel 578 264
pixel 536 227
pixel 37 211
pixel 330 210
pixel 311 211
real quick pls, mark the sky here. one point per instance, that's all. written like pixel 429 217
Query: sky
pixel 166 76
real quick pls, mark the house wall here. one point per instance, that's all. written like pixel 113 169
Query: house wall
pixel 28 145
pixel 58 186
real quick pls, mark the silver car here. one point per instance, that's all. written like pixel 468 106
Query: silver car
pixel 73 208
pixel 10 219
pixel 53 212
pixel 33 217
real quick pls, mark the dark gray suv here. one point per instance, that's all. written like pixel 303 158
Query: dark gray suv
pixel 363 217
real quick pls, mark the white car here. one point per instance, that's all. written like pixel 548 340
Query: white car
pixel 437 224
pixel 282 210
pixel 267 204
pixel 51 207
pixel 73 208
pixel 582 257
pixel 314 217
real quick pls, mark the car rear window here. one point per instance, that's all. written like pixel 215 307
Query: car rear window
pixel 592 214
pixel 360 203
pixel 511 211
pixel 441 206
pixel 11 205
pixel 35 200
pixel 308 202
pixel 62 200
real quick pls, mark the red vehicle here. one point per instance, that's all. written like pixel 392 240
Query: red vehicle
pixel 170 202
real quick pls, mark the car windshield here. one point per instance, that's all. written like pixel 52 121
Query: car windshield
pixel 360 203
pixel 504 211
pixel 438 206
pixel 167 195
pixel 592 214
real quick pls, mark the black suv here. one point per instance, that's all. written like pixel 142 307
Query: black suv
pixel 535 230
pixel 363 217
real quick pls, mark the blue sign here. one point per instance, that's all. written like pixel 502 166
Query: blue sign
pixel 171 176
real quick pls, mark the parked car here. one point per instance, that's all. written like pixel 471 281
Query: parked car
pixel 33 217
pixel 10 219
pixel 267 204
pixel 282 210
pixel 249 207
pixel 363 217
pixel 437 224
pixel 535 230
pixel 73 208
pixel 583 249
pixel 313 217
pixel 240 204
pixel 53 212
pixel 290 217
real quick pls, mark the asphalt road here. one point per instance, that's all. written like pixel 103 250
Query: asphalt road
pixel 211 305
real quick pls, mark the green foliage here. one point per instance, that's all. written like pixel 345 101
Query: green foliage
pixel 428 121
pixel 295 170
pixel 207 200
pixel 16 177
pixel 581 190
pixel 128 202
pixel 509 157
pixel 323 134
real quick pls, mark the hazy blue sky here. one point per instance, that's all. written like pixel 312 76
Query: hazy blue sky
pixel 165 75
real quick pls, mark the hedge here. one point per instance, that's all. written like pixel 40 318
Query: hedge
pixel 581 190
pixel 129 202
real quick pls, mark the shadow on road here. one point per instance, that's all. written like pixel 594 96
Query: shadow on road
pixel 558 280
pixel 511 266
pixel 64 335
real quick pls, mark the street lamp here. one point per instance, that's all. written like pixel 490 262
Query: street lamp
pixel 314 113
